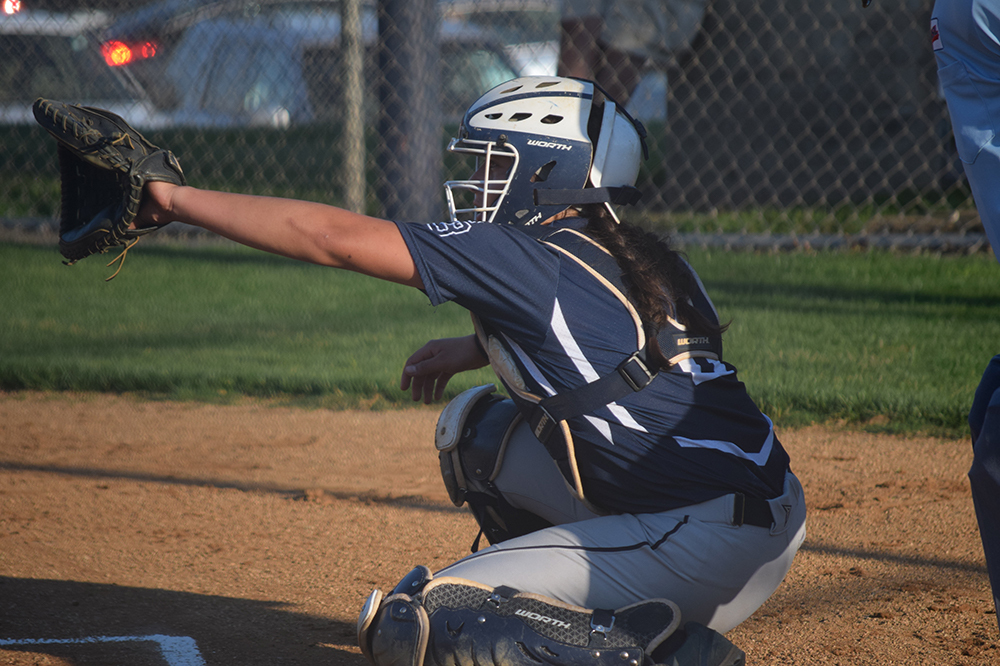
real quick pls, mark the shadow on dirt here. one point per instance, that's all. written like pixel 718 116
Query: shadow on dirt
pixel 224 630
pixel 895 558
pixel 296 493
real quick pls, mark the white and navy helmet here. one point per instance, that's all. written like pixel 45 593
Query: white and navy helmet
pixel 571 145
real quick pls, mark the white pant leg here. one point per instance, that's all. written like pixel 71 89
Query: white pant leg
pixel 717 573
pixel 529 479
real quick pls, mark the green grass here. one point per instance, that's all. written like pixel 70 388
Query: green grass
pixel 881 341
pixel 211 323
pixel 892 342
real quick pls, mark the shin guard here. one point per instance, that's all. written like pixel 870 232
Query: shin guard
pixel 456 622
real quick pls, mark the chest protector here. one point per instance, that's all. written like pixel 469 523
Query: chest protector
pixel 548 414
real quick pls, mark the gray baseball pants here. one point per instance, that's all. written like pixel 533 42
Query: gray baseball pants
pixel 716 572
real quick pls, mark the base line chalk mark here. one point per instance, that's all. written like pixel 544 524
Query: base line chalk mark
pixel 176 650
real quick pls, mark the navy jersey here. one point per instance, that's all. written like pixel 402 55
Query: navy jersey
pixel 691 435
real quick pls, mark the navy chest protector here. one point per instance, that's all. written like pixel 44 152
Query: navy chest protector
pixel 548 414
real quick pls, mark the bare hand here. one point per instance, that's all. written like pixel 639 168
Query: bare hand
pixel 429 369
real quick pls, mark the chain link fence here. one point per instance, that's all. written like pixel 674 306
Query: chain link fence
pixel 814 122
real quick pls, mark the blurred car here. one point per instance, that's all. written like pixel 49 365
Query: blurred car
pixel 528 29
pixel 529 32
pixel 58 56
pixel 274 63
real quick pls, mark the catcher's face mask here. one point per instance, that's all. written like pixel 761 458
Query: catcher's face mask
pixel 477 198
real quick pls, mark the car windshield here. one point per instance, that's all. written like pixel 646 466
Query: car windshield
pixel 469 70
pixel 55 66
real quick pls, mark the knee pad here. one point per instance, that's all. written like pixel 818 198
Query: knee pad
pixel 471 438
pixel 404 637
pixel 457 622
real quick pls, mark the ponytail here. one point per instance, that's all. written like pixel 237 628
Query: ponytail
pixel 658 279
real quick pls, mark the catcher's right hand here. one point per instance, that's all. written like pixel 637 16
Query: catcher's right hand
pixel 104 164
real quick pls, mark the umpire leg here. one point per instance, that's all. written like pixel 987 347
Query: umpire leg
pixel 984 476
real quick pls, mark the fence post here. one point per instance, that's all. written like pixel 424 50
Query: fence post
pixel 409 122
pixel 354 127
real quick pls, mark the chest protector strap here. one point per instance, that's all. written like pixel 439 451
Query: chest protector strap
pixel 548 415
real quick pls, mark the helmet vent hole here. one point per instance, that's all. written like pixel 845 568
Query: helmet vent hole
pixel 493 116
pixel 542 174
pixel 547 84
pixel 551 119
pixel 510 90
pixel 518 117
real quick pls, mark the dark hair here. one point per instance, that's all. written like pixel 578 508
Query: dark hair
pixel 658 280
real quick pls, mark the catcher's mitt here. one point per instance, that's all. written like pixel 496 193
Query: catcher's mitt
pixel 104 164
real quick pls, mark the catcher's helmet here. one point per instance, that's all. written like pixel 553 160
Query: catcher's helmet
pixel 568 144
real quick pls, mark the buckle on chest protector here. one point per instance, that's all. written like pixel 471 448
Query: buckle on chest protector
pixel 635 373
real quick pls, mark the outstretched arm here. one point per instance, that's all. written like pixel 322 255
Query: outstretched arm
pixel 303 230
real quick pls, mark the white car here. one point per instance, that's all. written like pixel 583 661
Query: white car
pixel 214 64
pixel 58 56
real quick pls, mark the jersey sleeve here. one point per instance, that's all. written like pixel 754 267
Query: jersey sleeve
pixel 494 271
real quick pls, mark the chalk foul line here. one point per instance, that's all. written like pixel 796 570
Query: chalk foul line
pixel 175 650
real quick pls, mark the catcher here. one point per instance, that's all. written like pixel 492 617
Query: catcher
pixel 637 503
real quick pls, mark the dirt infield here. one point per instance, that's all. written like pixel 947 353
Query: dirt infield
pixel 159 532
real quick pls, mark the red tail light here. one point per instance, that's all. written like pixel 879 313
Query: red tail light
pixel 118 53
